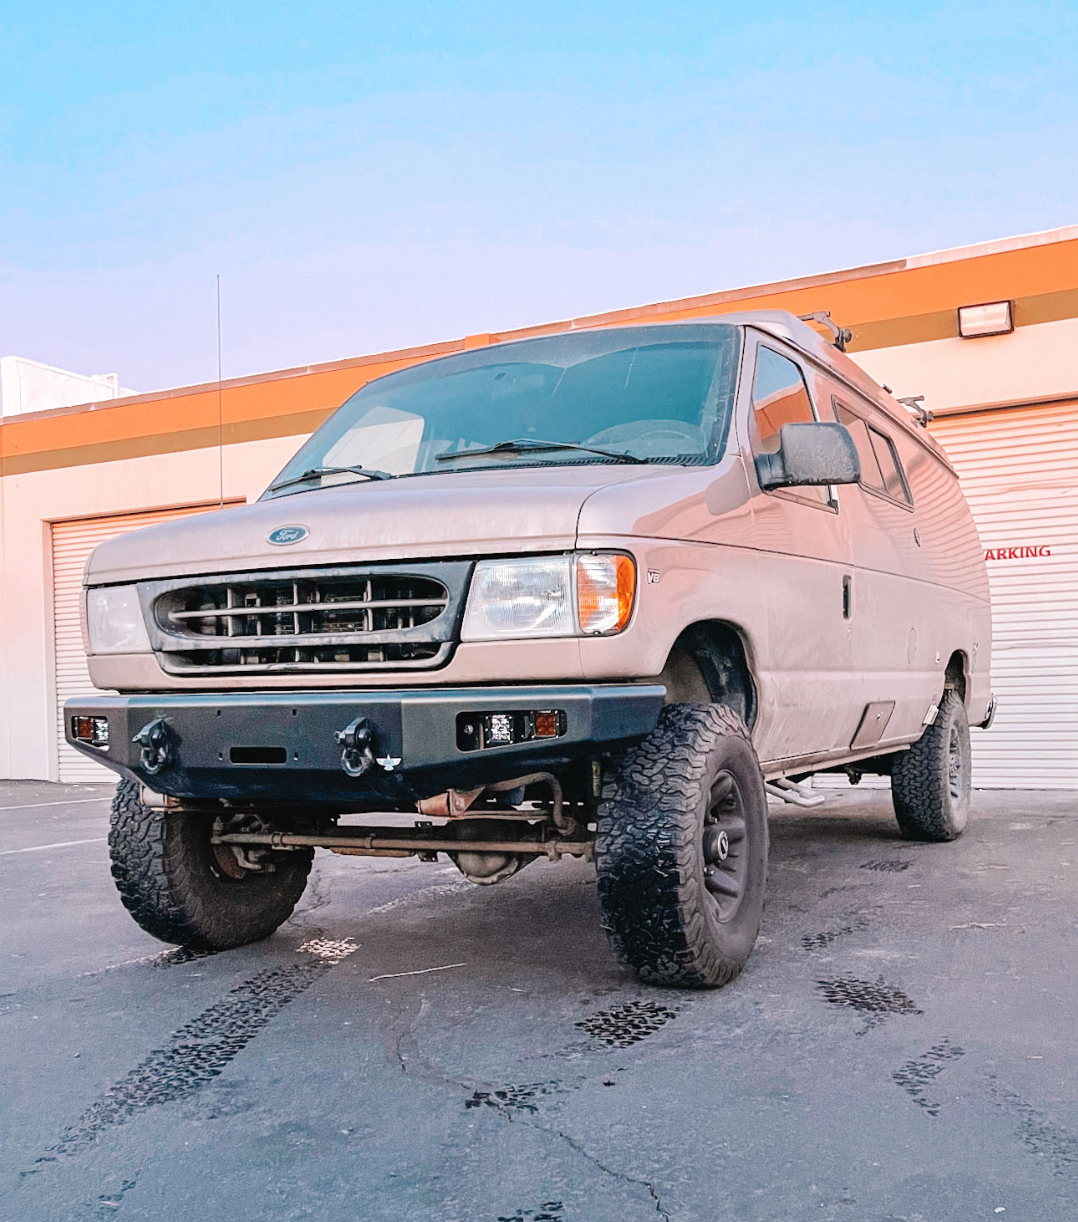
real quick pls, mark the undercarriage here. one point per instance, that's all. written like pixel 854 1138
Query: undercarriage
pixel 490 833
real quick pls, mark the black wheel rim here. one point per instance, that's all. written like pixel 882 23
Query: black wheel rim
pixel 725 847
pixel 955 766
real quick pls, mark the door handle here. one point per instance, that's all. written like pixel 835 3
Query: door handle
pixel 847 596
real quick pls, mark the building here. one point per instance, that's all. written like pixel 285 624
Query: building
pixel 1005 398
pixel 29 386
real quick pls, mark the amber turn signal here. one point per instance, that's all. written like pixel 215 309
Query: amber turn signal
pixel 605 588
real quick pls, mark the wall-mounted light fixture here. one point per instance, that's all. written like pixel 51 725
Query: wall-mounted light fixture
pixel 993 318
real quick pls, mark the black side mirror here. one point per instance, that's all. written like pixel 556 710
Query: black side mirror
pixel 810 454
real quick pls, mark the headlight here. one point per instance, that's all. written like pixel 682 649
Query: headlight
pixel 114 622
pixel 529 596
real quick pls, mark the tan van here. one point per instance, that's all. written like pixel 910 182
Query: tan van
pixel 596 594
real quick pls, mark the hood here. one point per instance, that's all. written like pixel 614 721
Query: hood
pixel 449 514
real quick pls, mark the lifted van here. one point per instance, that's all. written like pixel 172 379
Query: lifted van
pixel 594 594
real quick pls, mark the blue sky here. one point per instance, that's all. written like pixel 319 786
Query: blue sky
pixel 371 175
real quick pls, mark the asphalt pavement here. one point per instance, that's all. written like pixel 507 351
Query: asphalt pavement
pixel 411 1047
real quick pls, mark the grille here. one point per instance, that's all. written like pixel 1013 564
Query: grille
pixel 340 619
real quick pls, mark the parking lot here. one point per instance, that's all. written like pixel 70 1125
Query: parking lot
pixel 410 1046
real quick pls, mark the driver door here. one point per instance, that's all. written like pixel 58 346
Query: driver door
pixel 803 573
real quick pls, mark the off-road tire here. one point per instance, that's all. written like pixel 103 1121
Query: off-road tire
pixel 169 879
pixel 930 783
pixel 662 921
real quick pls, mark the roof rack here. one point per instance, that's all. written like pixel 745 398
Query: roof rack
pixel 840 336
pixel 913 404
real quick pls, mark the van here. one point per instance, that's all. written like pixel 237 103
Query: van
pixel 598 594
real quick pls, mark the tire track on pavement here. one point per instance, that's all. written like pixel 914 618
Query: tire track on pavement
pixel 199 1051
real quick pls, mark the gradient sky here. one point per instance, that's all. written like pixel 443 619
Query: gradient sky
pixel 372 175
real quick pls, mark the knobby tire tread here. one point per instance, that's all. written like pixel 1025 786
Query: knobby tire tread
pixel 920 789
pixel 160 869
pixel 648 829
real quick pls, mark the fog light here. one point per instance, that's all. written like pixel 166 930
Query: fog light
pixel 91 730
pixel 477 731
pixel 500 728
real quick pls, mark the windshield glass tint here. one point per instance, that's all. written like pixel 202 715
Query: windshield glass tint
pixel 660 394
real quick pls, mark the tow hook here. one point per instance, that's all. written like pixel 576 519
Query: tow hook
pixel 355 741
pixel 155 741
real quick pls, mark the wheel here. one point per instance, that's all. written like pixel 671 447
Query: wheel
pixel 182 889
pixel 681 849
pixel 930 783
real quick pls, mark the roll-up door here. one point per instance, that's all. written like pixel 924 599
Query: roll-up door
pixel 1018 473
pixel 72 543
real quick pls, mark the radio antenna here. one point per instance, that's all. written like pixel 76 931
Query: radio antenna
pixel 220 408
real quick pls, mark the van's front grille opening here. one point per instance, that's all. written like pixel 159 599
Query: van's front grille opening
pixel 327 657
pixel 366 619
pixel 314 607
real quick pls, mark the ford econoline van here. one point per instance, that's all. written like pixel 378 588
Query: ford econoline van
pixel 596 594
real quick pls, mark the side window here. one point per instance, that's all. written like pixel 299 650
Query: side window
pixel 881 470
pixel 894 481
pixel 871 475
pixel 780 396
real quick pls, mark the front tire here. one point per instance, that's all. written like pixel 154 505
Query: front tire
pixel 681 849
pixel 174 885
pixel 930 783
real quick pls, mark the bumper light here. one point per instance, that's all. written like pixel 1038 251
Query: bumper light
pixel 478 731
pixel 94 731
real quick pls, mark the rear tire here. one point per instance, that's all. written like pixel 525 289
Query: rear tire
pixel 172 883
pixel 930 783
pixel 681 849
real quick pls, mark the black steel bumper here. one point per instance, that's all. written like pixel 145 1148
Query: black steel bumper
pixel 286 748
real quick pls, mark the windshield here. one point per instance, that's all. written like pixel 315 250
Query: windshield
pixel 660 394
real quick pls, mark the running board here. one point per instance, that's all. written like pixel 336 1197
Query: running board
pixel 797 795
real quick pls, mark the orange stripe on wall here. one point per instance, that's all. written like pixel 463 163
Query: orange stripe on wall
pixel 858 297
pixel 891 294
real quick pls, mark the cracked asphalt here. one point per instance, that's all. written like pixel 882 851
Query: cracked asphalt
pixel 901 1045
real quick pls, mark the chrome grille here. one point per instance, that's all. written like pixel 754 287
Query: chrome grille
pixel 338 619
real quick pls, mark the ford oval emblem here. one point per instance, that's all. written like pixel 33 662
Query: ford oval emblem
pixel 287 534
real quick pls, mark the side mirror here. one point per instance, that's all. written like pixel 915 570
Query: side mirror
pixel 810 454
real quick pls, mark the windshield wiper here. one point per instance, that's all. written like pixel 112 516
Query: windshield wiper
pixel 521 445
pixel 317 473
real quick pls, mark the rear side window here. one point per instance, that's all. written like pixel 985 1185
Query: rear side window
pixel 881 468
pixel 894 481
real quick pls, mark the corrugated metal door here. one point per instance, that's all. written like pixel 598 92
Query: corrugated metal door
pixel 72 543
pixel 1018 473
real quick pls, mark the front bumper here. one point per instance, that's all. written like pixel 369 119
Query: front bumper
pixel 284 748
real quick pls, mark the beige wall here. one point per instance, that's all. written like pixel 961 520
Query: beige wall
pixel 1030 363
pixel 30 503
